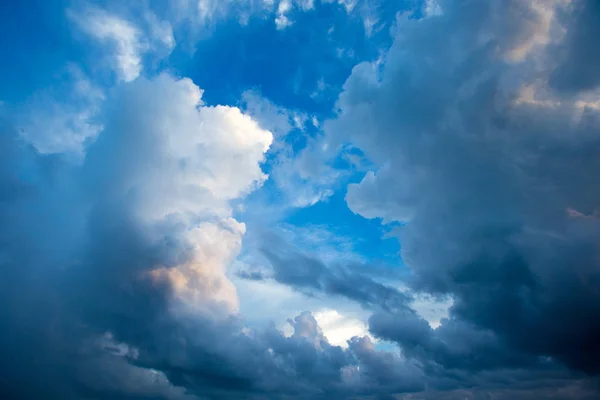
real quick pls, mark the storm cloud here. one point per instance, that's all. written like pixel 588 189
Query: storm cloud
pixel 487 140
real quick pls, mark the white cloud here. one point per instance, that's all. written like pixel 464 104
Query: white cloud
pixel 125 40
pixel 282 21
pixel 306 5
pixel 339 328
pixel 201 16
pixel 265 302
pixel 303 178
pixel 61 119
pixel 161 31
pixel 369 23
pixel 216 149
pixel 176 162
pixel 121 35
pixel 270 116
pixel 432 8
pixel 208 8
pixel 349 5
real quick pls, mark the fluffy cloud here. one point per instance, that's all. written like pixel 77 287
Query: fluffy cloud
pixel 483 123
pixel 338 328
pixel 174 160
pixel 143 228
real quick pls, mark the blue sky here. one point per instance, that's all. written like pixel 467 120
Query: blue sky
pixel 299 199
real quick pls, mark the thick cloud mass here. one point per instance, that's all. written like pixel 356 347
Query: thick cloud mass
pixel 139 233
pixel 484 121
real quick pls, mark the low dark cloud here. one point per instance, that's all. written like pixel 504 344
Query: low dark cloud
pixel 578 70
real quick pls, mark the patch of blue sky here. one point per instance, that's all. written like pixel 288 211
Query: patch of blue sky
pixel 38 39
pixel 373 246
pixel 290 66
pixel 302 67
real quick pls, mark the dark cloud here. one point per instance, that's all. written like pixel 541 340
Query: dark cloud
pixel 292 267
pixel 578 70
pixel 482 159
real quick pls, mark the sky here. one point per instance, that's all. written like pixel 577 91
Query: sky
pixel 300 199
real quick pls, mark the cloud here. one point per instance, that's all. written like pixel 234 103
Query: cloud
pixel 339 328
pixel 120 34
pixel 579 62
pixel 482 177
pixel 61 119
pixel 282 21
pixel 302 271
pixel 125 41
pixel 203 14
pixel 277 119
pixel 141 232
pixel 202 157
pixel 347 4
pixel 295 168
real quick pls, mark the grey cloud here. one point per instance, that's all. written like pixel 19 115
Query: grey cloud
pixel 481 158
pixel 579 68
pixel 307 273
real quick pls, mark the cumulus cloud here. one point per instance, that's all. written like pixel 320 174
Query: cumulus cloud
pixel 200 159
pixel 482 122
pixel 142 227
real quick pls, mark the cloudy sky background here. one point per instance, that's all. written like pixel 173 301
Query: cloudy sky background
pixel 300 199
